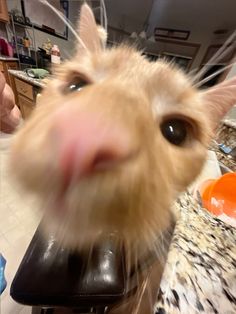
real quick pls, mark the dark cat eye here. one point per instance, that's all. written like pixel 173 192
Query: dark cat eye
pixel 75 85
pixel 175 131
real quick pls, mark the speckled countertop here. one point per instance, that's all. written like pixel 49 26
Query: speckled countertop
pixel 227 135
pixel 23 76
pixel 5 58
pixel 230 122
pixel 200 273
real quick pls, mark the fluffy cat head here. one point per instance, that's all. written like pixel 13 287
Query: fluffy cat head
pixel 114 139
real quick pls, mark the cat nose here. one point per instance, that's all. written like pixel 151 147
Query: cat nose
pixel 86 143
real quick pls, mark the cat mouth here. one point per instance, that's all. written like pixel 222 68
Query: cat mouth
pixel 104 163
pixel 58 202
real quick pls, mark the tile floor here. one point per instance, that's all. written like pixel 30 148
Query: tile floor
pixel 18 221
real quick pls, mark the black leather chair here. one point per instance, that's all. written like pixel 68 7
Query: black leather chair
pixel 50 278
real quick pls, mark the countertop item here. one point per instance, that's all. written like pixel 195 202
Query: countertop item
pixel 65 279
pixel 6 48
pixel 22 75
pixel 226 135
pixel 218 195
pixel 230 122
pixel 3 282
pixel 5 58
pixel 211 170
pixel 37 73
pixel 200 273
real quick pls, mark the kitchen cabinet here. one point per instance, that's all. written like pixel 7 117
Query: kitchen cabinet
pixel 24 89
pixel 26 106
pixel 27 96
pixel 4 67
pixel 4 17
pixel 8 65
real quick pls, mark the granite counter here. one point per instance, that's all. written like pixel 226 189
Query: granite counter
pixel 5 58
pixel 23 76
pixel 200 273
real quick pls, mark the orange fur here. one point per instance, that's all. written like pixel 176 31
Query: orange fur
pixel 133 199
pixel 138 95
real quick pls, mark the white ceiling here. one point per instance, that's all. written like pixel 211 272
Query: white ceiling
pixel 196 15
pixel 128 15
pixel 132 15
pixel 201 17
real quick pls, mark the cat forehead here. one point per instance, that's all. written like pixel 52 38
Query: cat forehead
pixel 127 66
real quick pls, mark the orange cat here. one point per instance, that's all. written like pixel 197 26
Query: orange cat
pixel 114 139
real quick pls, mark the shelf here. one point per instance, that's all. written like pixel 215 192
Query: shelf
pixel 31 65
pixel 23 25
pixel 176 55
pixel 27 63
pixel 31 47
pixel 20 47
pixel 213 64
pixel 40 28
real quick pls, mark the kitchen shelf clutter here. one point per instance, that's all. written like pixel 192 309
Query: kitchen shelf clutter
pixel 23 37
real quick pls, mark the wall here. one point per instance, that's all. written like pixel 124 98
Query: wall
pixel 232 113
pixel 201 17
pixel 67 47
pixel 3 32
pixel 232 72
pixel 128 15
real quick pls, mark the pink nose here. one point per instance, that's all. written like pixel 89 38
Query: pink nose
pixel 85 143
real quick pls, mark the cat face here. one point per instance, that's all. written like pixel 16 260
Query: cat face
pixel 113 140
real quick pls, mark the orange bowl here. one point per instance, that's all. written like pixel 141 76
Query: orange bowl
pixel 205 192
pixel 222 195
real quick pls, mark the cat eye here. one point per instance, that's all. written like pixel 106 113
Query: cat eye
pixel 175 131
pixel 75 85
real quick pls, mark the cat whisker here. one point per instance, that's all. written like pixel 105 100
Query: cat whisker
pixel 159 255
pixel 196 77
pixel 191 74
pixel 151 297
pixel 140 295
pixel 103 7
pixel 91 247
pixel 66 21
pixel 161 250
pixel 220 54
pixel 214 74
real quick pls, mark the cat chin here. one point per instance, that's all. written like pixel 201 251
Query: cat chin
pixel 77 236
pixel 69 237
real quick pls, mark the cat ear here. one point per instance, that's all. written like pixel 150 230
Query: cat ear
pixel 220 99
pixel 102 35
pixel 92 36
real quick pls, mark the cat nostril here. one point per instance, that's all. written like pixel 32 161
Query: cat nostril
pixel 82 159
pixel 86 145
pixel 104 160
